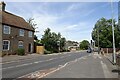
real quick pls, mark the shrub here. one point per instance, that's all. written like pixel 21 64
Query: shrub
pixel 65 50
pixel 47 52
pixel 2 54
pixel 21 51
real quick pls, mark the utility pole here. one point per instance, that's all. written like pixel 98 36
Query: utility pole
pixel 98 41
pixel 114 51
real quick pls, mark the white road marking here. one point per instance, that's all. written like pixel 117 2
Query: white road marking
pixel 9 62
pixel 105 70
pixel 30 63
pixel 51 59
pixel 68 63
pixel 17 66
pixel 53 71
pixel 8 67
pixel 32 58
pixel 36 62
pixel 27 64
pixel 19 60
pixel 99 57
pixel 59 67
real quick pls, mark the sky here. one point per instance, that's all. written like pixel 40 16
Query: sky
pixel 74 20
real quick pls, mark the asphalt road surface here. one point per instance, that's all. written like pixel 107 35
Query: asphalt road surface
pixel 23 67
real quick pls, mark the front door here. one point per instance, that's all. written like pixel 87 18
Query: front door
pixel 30 47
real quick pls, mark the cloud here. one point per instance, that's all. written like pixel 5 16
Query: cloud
pixel 72 7
pixel 76 6
pixel 71 27
pixel 44 21
pixel 89 12
pixel 79 26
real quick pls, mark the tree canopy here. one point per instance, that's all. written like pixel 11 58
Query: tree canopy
pixel 53 41
pixel 103 28
pixel 84 44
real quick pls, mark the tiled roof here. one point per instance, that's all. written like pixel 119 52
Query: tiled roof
pixel 16 21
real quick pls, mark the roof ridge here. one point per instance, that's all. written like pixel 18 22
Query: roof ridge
pixel 12 19
pixel 14 15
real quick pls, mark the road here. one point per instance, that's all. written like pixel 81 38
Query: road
pixel 90 66
pixel 23 67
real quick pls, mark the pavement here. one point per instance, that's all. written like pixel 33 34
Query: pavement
pixel 109 57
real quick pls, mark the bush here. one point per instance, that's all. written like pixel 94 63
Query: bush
pixel 65 50
pixel 21 51
pixel 47 52
pixel 2 54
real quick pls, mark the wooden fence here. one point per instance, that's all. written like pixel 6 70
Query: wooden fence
pixel 109 50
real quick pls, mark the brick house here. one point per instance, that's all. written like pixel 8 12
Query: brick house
pixel 16 32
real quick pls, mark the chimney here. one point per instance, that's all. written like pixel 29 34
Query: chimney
pixel 2 6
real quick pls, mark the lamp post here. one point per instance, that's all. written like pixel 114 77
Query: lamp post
pixel 58 43
pixel 98 41
pixel 114 51
pixel 98 38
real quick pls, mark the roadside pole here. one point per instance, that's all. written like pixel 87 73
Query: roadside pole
pixel 114 51
pixel 98 41
pixel 58 43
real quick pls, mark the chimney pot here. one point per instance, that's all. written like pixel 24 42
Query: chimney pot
pixel 2 6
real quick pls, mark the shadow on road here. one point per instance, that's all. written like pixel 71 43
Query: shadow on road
pixel 116 71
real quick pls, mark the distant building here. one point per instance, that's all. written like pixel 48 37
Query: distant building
pixel 15 32
pixel 72 45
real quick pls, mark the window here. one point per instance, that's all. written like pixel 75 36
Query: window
pixel 6 29
pixel 30 33
pixel 21 32
pixel 6 44
pixel 20 44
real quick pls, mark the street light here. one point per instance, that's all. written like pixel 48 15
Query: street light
pixel 114 51
pixel 58 43
pixel 99 38
pixel 98 41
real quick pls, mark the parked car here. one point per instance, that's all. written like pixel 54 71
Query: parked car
pixel 95 49
pixel 89 50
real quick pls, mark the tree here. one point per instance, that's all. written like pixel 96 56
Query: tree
pixel 103 28
pixel 35 37
pixel 84 44
pixel 32 23
pixel 50 41
pixel 46 39
pixel 62 44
